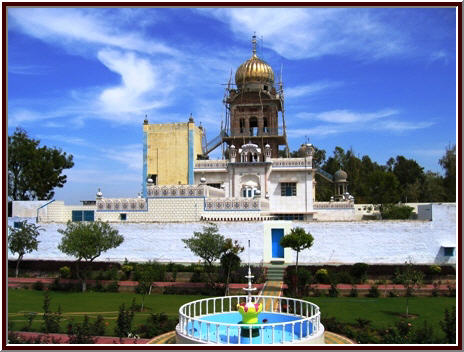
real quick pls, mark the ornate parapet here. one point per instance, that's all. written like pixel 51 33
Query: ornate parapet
pixel 236 204
pixel 290 162
pixel 333 205
pixel 211 164
pixel 121 204
pixel 181 191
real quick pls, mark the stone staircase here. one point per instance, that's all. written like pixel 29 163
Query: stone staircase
pixel 275 272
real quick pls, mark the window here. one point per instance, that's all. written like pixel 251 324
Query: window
pixel 83 215
pixel 448 251
pixel 77 215
pixel 215 185
pixel 88 215
pixel 123 217
pixel 17 224
pixel 154 177
pixel 288 189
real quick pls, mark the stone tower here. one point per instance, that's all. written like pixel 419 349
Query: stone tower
pixel 255 106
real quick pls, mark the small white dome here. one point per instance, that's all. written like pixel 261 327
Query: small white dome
pixel 202 180
pixel 99 193
pixel 267 146
pixel 232 146
pixel 150 180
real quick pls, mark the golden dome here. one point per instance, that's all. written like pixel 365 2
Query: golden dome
pixel 254 70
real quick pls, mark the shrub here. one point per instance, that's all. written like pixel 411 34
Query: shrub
pixel 156 324
pixel 124 321
pixel 435 290
pixel 353 292
pixel 359 271
pixel 435 269
pixel 344 278
pixel 304 278
pixel 38 285
pixel 333 291
pixel 451 291
pixel 396 212
pixel 393 293
pixel 30 316
pixel 322 276
pixel 65 272
pixel 373 292
pixel 316 292
pixel 112 287
pixel 80 333
pixel 51 319
pixel 98 326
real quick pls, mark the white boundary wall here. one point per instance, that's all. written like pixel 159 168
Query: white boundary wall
pixel 386 242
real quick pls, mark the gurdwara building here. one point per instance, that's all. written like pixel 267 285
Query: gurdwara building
pixel 254 180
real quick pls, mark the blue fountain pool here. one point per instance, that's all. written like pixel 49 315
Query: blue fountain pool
pixel 218 334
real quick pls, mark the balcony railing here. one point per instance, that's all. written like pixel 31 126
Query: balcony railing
pixel 255 131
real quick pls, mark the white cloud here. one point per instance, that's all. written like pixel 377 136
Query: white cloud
pixel 346 116
pixel 343 121
pixel 309 89
pixel 128 155
pixel 310 32
pixel 64 139
pixel 401 126
pixel 70 25
pixel 28 69
pixel 141 87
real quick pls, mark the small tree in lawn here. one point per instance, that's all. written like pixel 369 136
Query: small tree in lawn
pixel 87 241
pixel 146 278
pixel 23 240
pixel 208 245
pixel 230 259
pixel 411 280
pixel 298 239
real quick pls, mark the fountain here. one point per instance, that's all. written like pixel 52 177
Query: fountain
pixel 250 319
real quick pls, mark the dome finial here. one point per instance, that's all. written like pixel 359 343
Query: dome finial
pixel 253 44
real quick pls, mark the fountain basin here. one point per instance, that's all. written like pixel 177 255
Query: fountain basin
pixel 282 321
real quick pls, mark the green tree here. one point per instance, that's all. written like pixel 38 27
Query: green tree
pixel 411 279
pixel 23 240
pixel 382 187
pixel 433 189
pixel 51 319
pixel 146 278
pixel 230 259
pixel 124 321
pixel 208 245
pixel 33 171
pixel 448 325
pixel 410 176
pixel 81 333
pixel 298 239
pixel 87 241
pixel 448 162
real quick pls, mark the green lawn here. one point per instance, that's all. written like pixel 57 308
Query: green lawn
pixel 384 312
pixel 75 304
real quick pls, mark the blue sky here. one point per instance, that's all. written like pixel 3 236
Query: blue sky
pixel 380 81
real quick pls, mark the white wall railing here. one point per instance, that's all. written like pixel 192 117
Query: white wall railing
pixel 194 327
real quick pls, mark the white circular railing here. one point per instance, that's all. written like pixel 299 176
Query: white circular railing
pixel 193 326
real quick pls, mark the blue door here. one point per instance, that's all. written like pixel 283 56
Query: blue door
pixel 277 249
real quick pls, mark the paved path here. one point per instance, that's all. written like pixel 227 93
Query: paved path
pixel 336 339
pixel 272 288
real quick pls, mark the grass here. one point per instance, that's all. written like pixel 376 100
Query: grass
pixel 74 305
pixel 383 312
